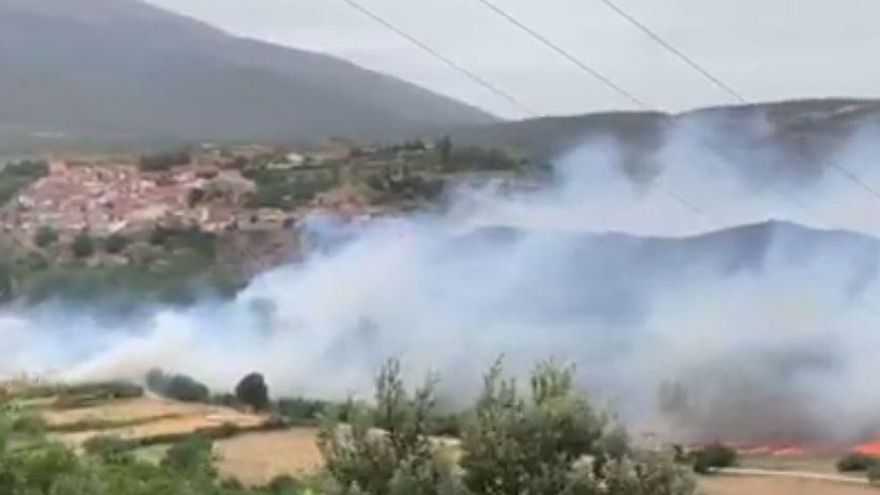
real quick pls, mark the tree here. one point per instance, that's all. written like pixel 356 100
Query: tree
pixel 192 457
pixel 387 450
pixel 444 146
pixel 252 391
pixel 45 237
pixel 115 243
pixel 177 386
pixel 83 246
pixel 554 441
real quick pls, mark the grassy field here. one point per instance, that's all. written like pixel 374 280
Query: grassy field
pixel 255 456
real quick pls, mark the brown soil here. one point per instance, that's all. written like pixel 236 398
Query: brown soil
pixel 746 485
pixel 257 458
pixel 170 418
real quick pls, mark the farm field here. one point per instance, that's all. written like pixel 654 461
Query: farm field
pixel 256 458
pixel 759 485
pixel 255 455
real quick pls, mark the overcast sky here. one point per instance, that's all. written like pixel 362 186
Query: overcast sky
pixel 765 49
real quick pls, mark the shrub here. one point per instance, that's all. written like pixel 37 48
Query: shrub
pixel 116 243
pixel 398 460
pixel 83 246
pixel 45 237
pixel 303 411
pixel 713 456
pixel 252 391
pixel 29 424
pixel 193 456
pixel 109 449
pixel 856 461
pixel 874 474
pixel 161 162
pixel 177 386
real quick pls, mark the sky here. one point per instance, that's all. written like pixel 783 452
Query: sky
pixel 764 49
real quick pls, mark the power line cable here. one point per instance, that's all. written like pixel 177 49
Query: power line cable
pixel 570 57
pixel 605 80
pixel 673 50
pixel 630 18
pixel 439 56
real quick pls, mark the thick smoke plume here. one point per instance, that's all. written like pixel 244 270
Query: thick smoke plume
pixel 722 283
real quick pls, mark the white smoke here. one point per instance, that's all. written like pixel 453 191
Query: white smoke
pixel 635 269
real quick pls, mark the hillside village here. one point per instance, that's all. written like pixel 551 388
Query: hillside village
pixel 230 209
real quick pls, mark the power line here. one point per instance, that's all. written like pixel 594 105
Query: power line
pixel 720 84
pixel 439 56
pixel 605 80
pixel 561 51
pixel 675 51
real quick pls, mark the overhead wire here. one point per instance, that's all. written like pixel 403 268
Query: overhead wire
pixel 718 82
pixel 607 81
pixel 439 56
pixel 690 61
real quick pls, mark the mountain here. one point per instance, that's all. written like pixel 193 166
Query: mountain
pixel 806 126
pixel 102 69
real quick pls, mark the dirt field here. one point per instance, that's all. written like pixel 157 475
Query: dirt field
pixel 745 485
pixel 257 458
pixel 153 417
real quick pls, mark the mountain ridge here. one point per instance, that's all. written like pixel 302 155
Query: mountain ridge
pixel 119 67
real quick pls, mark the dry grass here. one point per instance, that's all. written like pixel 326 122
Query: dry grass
pixel 154 416
pixel 257 458
pixel 747 485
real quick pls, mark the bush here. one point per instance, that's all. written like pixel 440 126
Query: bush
pixel 400 460
pixel 29 424
pixel 252 391
pixel 551 442
pixel 303 411
pixel 109 449
pixel 45 237
pixel 193 456
pixel 713 456
pixel 115 243
pixel 856 462
pixel 161 162
pixel 177 386
pixel 874 474
pixel 83 246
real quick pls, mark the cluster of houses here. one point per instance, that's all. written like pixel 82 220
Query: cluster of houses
pixel 105 200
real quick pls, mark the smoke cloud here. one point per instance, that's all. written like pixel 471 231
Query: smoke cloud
pixel 719 284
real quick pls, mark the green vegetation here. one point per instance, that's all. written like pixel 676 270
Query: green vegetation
pixel 16 176
pixel 856 462
pixel 286 189
pixel 551 442
pixel 713 456
pixel 116 243
pixel 177 270
pixel 252 391
pixel 160 162
pixel 83 246
pixel 45 237
pixel 177 386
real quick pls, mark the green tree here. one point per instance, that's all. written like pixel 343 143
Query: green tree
pixel 387 451
pixel 253 391
pixel 83 246
pixel 115 243
pixel 553 441
pixel 45 237
pixel 444 147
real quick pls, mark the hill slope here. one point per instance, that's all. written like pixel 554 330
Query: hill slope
pixel 122 68
pixel 808 126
